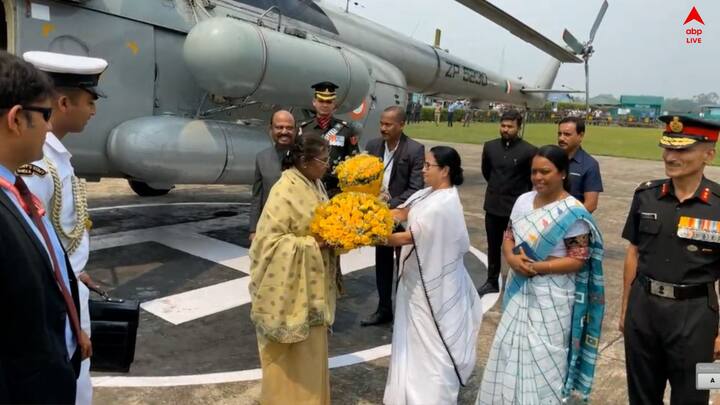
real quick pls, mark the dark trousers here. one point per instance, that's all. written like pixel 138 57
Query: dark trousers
pixel 451 115
pixel 52 382
pixel 664 339
pixel 384 271
pixel 495 227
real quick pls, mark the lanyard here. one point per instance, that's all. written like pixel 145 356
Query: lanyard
pixel 392 157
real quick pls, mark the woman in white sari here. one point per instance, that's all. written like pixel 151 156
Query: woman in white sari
pixel 546 344
pixel 438 311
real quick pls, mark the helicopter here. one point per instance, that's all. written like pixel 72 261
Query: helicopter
pixel 191 84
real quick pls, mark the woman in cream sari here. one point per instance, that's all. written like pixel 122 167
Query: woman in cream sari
pixel 546 344
pixel 293 282
pixel 437 311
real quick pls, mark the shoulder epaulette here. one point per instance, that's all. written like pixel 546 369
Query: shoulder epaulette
pixel 650 184
pixel 30 170
pixel 304 123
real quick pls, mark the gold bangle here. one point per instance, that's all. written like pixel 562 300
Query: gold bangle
pixel 549 266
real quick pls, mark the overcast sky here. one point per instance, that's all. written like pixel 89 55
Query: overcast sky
pixel 640 46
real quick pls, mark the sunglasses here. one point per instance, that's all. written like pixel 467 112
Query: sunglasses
pixel 46 112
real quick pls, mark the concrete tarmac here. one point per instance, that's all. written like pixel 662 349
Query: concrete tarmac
pixel 361 383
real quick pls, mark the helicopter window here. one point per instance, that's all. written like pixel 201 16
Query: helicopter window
pixel 302 10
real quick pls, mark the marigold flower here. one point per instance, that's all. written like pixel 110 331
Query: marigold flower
pixel 352 220
pixel 361 173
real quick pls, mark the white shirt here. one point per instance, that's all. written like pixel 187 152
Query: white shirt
pixel 387 161
pixel 42 187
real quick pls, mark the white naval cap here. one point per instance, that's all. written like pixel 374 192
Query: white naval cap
pixel 69 70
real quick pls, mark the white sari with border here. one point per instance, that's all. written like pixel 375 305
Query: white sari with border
pixel 438 311
pixel 546 345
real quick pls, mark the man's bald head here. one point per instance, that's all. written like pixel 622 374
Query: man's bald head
pixel 281 114
pixel 282 128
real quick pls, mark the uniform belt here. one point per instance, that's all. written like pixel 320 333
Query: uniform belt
pixel 672 291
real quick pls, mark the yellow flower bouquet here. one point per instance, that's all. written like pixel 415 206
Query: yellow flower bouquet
pixel 351 220
pixel 361 173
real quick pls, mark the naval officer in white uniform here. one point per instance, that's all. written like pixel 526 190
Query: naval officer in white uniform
pixel 53 179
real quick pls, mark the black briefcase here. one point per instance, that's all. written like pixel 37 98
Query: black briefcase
pixel 114 324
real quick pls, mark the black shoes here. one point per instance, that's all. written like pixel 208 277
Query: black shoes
pixel 488 288
pixel 377 318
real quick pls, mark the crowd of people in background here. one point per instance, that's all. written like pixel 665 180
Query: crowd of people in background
pixel 467 112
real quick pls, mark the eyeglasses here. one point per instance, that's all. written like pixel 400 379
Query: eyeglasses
pixel 428 165
pixel 325 162
pixel 46 112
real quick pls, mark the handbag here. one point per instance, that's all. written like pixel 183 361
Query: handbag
pixel 114 323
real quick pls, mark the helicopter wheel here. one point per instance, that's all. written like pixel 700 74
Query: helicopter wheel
pixel 144 190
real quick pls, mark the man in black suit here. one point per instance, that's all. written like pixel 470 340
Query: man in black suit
pixel 268 163
pixel 506 164
pixel 403 159
pixel 41 343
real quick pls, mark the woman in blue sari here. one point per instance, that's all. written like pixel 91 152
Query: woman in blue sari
pixel 546 344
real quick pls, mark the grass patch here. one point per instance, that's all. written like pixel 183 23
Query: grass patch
pixel 636 143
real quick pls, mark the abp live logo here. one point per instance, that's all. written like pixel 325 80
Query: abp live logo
pixel 693 35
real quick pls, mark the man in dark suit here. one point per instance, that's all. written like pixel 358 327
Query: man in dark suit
pixel 41 343
pixel 268 163
pixel 403 159
pixel 506 164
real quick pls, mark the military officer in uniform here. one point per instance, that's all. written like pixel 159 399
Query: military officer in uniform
pixel 342 138
pixel 53 179
pixel 670 309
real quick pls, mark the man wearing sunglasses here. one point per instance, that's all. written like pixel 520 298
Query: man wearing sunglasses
pixel 342 138
pixel 38 291
pixel 53 179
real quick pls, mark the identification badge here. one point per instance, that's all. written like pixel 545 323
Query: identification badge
pixel 699 229
pixel 648 215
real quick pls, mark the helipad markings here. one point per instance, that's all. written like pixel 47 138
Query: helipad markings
pixel 231 376
pixel 488 300
pixel 117 207
pixel 350 262
pixel 227 254
pixel 194 304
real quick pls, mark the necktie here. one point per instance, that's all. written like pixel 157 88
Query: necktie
pixel 323 122
pixel 27 198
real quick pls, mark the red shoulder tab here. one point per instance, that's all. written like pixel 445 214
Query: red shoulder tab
pixel 665 189
pixel 705 195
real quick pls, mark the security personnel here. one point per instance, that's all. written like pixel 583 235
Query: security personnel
pixel 53 179
pixel 506 163
pixel 342 138
pixel 670 309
